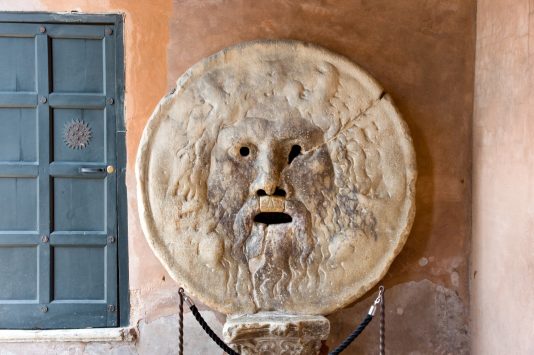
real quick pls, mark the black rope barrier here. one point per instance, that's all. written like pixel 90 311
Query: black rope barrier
pixel 203 324
pixel 382 333
pixel 181 323
pixel 368 318
pixel 210 332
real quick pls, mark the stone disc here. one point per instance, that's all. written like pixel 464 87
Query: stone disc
pixel 278 176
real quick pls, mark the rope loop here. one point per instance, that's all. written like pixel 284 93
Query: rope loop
pixel 368 318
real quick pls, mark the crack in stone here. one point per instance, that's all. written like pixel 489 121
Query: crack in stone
pixel 348 125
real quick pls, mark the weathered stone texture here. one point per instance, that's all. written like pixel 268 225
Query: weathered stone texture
pixel 275 333
pixel 277 177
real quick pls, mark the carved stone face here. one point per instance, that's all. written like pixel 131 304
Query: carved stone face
pixel 281 159
pixel 285 173
pixel 277 177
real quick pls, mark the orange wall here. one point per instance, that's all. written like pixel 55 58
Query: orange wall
pixel 422 52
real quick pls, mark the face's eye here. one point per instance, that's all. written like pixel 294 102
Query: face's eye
pixel 244 151
pixel 295 152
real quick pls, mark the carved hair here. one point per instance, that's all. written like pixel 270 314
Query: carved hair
pixel 221 99
pixel 363 166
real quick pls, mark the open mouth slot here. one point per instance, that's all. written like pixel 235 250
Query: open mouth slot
pixel 273 218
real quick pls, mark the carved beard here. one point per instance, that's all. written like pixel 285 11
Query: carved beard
pixel 277 256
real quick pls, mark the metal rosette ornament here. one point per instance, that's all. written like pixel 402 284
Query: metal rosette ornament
pixel 77 134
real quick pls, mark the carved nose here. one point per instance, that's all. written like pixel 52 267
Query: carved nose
pixel 277 192
pixel 267 185
pixel 267 182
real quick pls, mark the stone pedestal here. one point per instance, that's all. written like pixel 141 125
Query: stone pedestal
pixel 276 333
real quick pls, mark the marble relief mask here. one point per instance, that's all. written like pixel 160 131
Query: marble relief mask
pixel 277 177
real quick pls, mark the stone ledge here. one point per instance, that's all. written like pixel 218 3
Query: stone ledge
pixel 127 334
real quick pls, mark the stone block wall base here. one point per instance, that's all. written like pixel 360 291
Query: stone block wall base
pixel 276 333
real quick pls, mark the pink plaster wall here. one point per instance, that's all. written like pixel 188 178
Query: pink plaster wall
pixel 502 271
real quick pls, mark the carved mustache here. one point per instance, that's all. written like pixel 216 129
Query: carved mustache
pixel 300 219
pixel 272 204
pixel 272 211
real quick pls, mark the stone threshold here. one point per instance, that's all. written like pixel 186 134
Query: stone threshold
pixel 126 334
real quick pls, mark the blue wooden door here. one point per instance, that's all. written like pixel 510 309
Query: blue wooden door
pixel 58 179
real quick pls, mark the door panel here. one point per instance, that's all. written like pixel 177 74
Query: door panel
pixel 18 196
pixel 91 122
pixel 17 59
pixel 22 277
pixel 58 224
pixel 72 264
pixel 79 204
pixel 18 134
pixel 77 65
